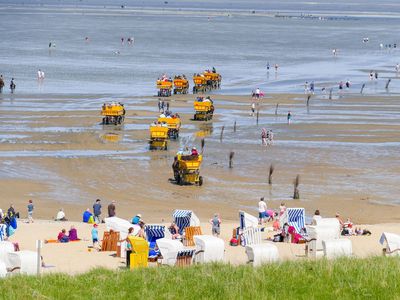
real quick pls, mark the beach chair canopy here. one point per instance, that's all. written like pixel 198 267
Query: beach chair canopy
pixel 121 225
pixel 185 218
pixel 294 217
pixel 392 241
pixel 211 248
pixel 154 232
pixel 247 220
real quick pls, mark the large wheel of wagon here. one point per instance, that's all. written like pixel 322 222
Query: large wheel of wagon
pixel 200 180
pixel 194 90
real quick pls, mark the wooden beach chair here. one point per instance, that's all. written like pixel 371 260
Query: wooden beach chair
pixel 110 241
pixel 190 232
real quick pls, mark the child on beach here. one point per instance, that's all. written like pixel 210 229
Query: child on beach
pixel 30 211
pixel 216 225
pixel 95 236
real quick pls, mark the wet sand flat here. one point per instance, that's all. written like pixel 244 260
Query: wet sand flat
pixel 53 150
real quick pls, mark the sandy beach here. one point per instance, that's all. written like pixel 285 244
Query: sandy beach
pixel 75 257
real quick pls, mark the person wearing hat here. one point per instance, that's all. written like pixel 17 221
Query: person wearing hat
pixel 136 219
pixel 95 235
pixel 194 151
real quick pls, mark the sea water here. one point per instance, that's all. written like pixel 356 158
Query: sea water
pixel 238 38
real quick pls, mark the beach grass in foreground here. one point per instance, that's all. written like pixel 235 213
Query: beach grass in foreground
pixel 372 278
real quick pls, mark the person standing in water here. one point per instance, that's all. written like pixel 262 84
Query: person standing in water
pixel 12 85
pixel 1 83
pixel 264 137
pixel 268 66
pixel 289 117
pixel 253 108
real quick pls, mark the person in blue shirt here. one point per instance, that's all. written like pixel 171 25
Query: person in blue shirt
pixel 95 235
pixel 86 216
pixel 136 219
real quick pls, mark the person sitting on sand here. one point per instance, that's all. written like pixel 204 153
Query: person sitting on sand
pixel 87 215
pixel 174 230
pixel 347 227
pixel 62 237
pixel 60 215
pixel 73 234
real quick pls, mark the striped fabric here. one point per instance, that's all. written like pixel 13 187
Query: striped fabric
pixel 182 219
pixel 185 253
pixel 154 232
pixel 3 232
pixel 296 218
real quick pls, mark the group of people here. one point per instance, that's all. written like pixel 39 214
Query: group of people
pixel 72 235
pixel 373 75
pixel 257 94
pixel 2 84
pixel 276 66
pixel 267 137
pixel 129 40
pixel 346 84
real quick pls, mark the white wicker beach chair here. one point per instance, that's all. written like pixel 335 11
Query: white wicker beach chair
pixel 209 249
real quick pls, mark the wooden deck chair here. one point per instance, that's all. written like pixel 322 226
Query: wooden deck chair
pixel 190 232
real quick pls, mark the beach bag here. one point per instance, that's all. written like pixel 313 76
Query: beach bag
pixel 13 223
pixel 10 231
pixel 233 242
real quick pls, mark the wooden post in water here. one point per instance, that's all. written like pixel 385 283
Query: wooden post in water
pixel 330 94
pixel 296 193
pixel 308 99
pixel 258 113
pixel 222 134
pixel 234 127
pixel 271 170
pixel 276 109
pixel 362 88
pixel 202 145
pixel 387 83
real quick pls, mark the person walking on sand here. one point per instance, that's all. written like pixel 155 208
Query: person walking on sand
pixel 371 75
pixel 262 211
pixel 289 117
pixel 268 66
pixel 215 225
pixel 111 209
pixel 97 211
pixel 30 211
pixel 1 83
pixel 95 236
pixel 348 84
pixel 276 68
pixel 264 137
pixel 376 75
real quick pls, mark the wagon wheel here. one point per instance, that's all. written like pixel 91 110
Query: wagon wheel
pixel 166 147
pixel 200 180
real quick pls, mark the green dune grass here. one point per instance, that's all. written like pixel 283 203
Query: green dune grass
pixel 372 278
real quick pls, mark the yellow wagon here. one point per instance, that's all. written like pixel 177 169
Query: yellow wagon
pixel 173 123
pixel 187 169
pixel 204 110
pixel 113 113
pixel 158 137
